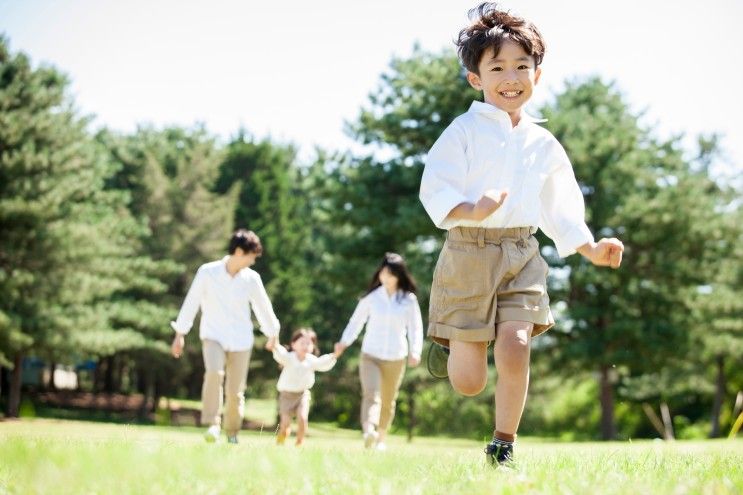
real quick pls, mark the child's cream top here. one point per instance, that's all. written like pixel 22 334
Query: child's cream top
pixel 480 150
pixel 298 376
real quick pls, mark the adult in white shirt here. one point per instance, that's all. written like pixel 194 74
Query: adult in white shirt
pixel 225 290
pixel 394 331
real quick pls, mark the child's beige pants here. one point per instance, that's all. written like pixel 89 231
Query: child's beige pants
pixel 380 383
pixel 231 370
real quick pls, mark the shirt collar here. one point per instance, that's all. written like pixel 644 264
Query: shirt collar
pixel 496 113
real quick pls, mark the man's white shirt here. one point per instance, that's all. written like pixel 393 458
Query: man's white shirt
pixel 225 302
pixel 394 327
pixel 480 150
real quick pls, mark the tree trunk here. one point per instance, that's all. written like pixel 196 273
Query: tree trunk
pixel 14 399
pixel 108 376
pixel 608 429
pixel 50 385
pixel 719 396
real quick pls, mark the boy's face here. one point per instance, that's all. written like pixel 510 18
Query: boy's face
pixel 506 80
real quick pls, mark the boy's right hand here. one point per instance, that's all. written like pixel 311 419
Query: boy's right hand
pixel 490 201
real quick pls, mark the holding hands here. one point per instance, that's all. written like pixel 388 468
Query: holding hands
pixel 339 349
pixel 606 252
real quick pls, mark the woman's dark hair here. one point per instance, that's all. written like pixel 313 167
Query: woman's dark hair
pixel 246 240
pixel 397 267
pixel 305 332
pixel 489 28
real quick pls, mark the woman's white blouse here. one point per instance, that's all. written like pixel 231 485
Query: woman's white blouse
pixel 394 327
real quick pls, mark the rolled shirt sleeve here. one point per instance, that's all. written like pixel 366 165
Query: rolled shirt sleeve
pixel 563 210
pixel 191 305
pixel 269 324
pixel 443 181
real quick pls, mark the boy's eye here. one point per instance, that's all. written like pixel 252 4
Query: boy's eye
pixel 524 67
pixel 497 69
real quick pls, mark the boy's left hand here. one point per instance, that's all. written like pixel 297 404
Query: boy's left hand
pixel 606 252
pixel 413 361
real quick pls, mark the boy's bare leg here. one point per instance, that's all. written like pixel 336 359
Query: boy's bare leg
pixel 468 366
pixel 302 424
pixel 285 425
pixel 511 353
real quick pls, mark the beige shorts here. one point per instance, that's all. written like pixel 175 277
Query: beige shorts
pixel 294 403
pixel 486 276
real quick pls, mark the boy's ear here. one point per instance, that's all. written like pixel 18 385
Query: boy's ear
pixel 537 75
pixel 474 80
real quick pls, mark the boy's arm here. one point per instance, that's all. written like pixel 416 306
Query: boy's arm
pixel 485 206
pixel 191 304
pixel 563 217
pixel 269 324
pixel 443 181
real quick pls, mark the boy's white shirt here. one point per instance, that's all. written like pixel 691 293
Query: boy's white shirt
pixel 298 376
pixel 394 327
pixel 225 302
pixel 480 150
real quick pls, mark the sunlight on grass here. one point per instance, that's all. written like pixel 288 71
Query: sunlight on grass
pixel 44 456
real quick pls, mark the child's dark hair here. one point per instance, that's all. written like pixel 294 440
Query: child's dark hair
pixel 489 28
pixel 396 265
pixel 305 332
pixel 246 240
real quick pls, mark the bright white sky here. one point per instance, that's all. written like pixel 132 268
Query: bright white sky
pixel 295 70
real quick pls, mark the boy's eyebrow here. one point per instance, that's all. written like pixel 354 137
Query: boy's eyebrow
pixel 500 60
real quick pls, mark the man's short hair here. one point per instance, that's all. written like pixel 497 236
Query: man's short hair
pixel 489 28
pixel 247 240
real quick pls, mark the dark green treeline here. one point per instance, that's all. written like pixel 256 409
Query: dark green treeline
pixel 101 233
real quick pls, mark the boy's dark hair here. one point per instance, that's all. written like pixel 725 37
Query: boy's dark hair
pixel 246 240
pixel 490 27
pixel 305 332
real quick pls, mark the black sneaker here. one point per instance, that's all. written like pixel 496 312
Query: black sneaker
pixel 437 360
pixel 498 453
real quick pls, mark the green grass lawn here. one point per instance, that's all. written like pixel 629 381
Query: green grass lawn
pixel 50 456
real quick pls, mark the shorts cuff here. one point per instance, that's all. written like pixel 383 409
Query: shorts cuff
pixel 541 318
pixel 440 331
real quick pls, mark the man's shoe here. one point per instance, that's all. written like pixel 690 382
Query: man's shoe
pixel 437 360
pixel 232 439
pixel 212 434
pixel 498 452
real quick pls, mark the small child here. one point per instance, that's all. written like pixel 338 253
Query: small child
pixel 296 380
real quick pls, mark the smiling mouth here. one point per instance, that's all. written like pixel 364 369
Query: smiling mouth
pixel 510 94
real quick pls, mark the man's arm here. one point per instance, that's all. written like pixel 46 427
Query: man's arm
pixel 191 304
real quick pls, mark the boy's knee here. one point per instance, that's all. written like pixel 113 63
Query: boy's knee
pixel 513 356
pixel 468 385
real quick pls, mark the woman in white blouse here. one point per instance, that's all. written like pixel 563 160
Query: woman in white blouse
pixel 394 332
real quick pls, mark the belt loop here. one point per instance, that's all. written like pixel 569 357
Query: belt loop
pixel 481 237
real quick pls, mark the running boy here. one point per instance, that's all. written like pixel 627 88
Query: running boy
pixel 491 179
pixel 296 380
